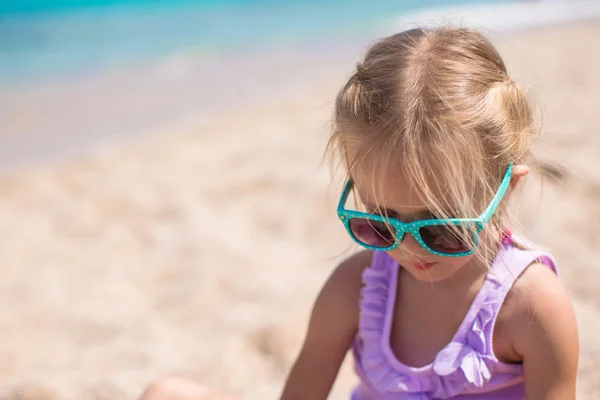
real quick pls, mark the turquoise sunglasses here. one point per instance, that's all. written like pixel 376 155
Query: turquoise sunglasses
pixel 437 236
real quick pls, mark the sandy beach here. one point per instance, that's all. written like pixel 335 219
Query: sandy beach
pixel 199 251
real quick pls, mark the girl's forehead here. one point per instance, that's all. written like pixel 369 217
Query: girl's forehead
pixel 392 192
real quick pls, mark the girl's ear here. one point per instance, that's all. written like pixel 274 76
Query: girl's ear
pixel 518 171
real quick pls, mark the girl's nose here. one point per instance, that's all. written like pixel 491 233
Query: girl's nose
pixel 410 245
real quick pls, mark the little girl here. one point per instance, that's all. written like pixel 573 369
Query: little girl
pixel 444 302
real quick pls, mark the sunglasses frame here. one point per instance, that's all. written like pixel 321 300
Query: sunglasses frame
pixel 413 227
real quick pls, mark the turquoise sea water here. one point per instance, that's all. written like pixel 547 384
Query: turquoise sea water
pixel 49 38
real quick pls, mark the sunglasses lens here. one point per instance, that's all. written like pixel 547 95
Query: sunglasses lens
pixel 372 233
pixel 448 239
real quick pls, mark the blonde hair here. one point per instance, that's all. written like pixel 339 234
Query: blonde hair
pixel 435 103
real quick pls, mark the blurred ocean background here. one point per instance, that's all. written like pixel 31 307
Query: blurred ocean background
pixel 53 38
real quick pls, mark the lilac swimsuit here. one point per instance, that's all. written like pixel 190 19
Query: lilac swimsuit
pixel 466 368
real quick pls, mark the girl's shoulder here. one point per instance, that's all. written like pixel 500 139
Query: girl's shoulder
pixel 347 277
pixel 535 289
pixel 543 332
pixel 340 295
pixel 537 298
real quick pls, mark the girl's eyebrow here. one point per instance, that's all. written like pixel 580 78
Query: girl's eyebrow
pixel 423 213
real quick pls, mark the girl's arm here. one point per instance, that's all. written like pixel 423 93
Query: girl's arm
pixel 333 324
pixel 546 335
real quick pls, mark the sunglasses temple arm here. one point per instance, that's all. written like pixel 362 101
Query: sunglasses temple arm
pixel 344 196
pixel 487 214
